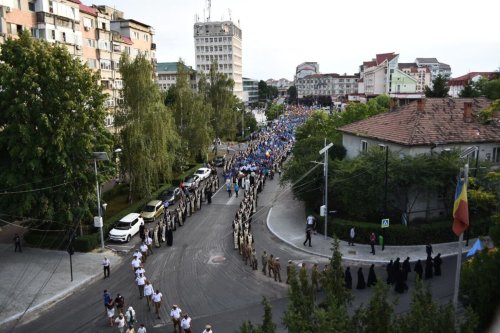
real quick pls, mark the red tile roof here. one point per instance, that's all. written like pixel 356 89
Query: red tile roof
pixel 89 10
pixel 385 56
pixel 127 40
pixel 462 80
pixel 440 121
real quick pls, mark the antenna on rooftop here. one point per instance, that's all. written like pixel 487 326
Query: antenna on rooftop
pixel 209 5
pixel 229 10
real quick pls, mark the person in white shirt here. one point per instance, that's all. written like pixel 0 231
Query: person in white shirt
pixel 120 321
pixel 186 323
pixel 106 264
pixel 208 329
pixel 175 314
pixel 136 263
pixel 130 316
pixel 138 254
pixel 352 234
pixel 148 293
pixel 144 251
pixel 141 281
pixel 149 243
pixel 157 296
pixel 140 270
pixel 141 329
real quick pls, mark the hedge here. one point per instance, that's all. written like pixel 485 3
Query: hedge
pixel 46 239
pixel 398 234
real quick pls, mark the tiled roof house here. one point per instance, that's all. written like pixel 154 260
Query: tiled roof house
pixel 425 126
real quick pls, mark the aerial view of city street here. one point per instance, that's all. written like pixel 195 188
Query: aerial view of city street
pixel 185 166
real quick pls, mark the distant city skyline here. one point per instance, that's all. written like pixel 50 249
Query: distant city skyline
pixel 278 35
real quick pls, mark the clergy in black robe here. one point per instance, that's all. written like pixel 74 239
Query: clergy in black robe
pixel 437 264
pixel 348 278
pixel 406 268
pixel 372 278
pixel 428 268
pixel 390 272
pixel 361 279
pixel 399 286
pixel 418 269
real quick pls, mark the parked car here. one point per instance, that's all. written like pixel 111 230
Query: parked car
pixel 192 182
pixel 219 160
pixel 203 173
pixel 126 228
pixel 171 195
pixel 152 210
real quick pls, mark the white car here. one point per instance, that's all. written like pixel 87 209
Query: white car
pixel 203 173
pixel 192 182
pixel 127 227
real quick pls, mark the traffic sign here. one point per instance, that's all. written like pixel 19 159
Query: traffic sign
pixel 385 223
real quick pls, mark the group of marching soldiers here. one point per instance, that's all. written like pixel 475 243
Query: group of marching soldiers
pixel 189 203
pixel 242 236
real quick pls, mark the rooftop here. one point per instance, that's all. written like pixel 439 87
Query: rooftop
pixel 441 120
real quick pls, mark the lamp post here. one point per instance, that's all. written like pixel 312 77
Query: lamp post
pixel 99 156
pixel 325 164
pixel 117 151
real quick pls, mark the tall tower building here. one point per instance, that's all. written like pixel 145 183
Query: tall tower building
pixel 221 42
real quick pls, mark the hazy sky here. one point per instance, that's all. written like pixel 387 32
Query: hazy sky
pixel 338 34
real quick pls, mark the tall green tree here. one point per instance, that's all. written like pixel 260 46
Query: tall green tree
pixel 292 95
pixel 378 315
pixel 219 93
pixel 299 313
pixel 190 114
pixel 439 87
pixel 147 135
pixel 469 91
pixel 52 119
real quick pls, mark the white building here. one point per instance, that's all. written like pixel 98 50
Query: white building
pixel 435 67
pixel 306 69
pixel 220 42
pixel 282 85
pixel 333 85
pixel 167 73
pixel 457 84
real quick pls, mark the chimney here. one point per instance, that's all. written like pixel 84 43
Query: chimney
pixel 467 111
pixel 421 105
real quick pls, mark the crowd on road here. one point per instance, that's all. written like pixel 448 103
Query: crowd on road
pixel 154 237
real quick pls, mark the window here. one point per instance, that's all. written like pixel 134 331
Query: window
pixel 31 6
pixel 91 63
pixel 146 37
pixel 105 64
pixel 496 155
pixel 364 145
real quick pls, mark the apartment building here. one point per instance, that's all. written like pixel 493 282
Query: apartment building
pixel 306 69
pixel 220 42
pixel 168 72
pixel 250 91
pixel 333 85
pixel 421 74
pixel 282 85
pixel 382 75
pixel 97 35
pixel 436 67
pixel 457 84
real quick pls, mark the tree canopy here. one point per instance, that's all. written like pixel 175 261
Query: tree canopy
pixel 52 120
pixel 439 87
pixel 148 136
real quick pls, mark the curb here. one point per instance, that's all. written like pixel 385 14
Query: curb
pixel 347 257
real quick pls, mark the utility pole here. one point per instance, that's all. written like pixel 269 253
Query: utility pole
pixel 325 171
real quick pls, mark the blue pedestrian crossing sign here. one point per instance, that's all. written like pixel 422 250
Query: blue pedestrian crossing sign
pixel 385 223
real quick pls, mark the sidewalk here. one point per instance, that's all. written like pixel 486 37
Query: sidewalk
pixel 35 278
pixel 286 220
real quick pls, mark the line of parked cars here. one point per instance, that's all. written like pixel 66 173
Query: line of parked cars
pixel 128 226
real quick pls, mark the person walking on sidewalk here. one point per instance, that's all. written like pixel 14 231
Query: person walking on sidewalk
pixel 352 234
pixel 120 303
pixel 175 314
pixel 186 323
pixel 130 316
pixel 17 243
pixel 308 236
pixel 141 281
pixel 106 265
pixel 311 223
pixel 428 249
pixel 381 241
pixel 236 189
pixel 228 186
pixel 120 323
pixel 373 238
pixel 148 293
pixel 142 329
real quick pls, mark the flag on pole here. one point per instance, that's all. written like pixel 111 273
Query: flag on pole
pixel 460 208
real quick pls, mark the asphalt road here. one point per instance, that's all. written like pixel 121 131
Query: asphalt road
pixel 206 277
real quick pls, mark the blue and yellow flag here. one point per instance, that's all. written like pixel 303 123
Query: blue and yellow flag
pixel 460 208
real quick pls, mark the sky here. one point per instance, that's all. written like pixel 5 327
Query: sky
pixel 278 35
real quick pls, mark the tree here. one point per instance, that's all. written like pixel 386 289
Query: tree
pixel 263 91
pixel 52 119
pixel 469 90
pixel 190 114
pixel 439 87
pixel 292 95
pixel 298 315
pixel 147 135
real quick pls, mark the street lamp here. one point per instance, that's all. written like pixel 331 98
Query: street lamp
pixel 117 151
pixel 99 156
pixel 325 174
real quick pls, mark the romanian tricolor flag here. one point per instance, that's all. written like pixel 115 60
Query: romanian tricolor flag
pixel 460 208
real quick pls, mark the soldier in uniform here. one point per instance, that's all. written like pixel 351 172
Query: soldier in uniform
pixel 241 242
pixel 264 262
pixel 288 271
pixel 277 269
pixel 270 265
pixel 254 260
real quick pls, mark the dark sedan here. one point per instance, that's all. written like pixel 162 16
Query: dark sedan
pixel 219 160
pixel 171 195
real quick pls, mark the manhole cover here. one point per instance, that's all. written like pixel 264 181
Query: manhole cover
pixel 217 259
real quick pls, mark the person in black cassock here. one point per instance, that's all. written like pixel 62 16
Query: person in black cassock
pixel 361 279
pixel 372 278
pixel 390 272
pixel 348 278
pixel 437 264
pixel 428 268
pixel 399 286
pixel 397 265
pixel 406 268
pixel 418 269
